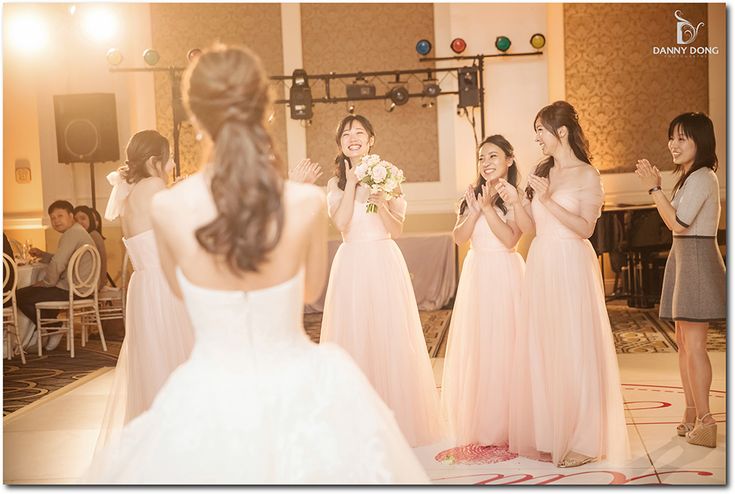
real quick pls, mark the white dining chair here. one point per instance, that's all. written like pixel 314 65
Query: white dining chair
pixel 83 302
pixel 10 313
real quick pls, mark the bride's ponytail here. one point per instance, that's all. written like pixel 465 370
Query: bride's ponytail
pixel 226 90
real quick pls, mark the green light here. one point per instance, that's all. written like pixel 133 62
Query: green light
pixel 502 43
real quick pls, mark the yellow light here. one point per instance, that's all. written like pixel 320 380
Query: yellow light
pixel 28 33
pixel 100 24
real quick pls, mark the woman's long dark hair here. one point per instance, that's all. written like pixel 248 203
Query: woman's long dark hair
pixel 697 127
pixel 95 221
pixel 339 161
pixel 552 117
pixel 142 146
pixel 512 179
pixel 227 91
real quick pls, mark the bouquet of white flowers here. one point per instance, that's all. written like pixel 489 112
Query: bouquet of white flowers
pixel 381 176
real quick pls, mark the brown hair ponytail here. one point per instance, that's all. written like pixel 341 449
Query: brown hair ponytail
pixel 226 90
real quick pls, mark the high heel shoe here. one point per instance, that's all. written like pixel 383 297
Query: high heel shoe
pixel 703 434
pixel 573 459
pixel 685 427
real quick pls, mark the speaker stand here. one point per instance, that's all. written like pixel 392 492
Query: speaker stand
pixel 91 179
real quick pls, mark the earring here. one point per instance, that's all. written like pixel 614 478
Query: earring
pixel 199 135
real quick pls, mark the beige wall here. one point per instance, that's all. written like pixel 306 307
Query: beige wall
pixel 285 36
pixel 176 28
pixel 408 135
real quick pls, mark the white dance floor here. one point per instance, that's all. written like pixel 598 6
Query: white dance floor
pixel 51 441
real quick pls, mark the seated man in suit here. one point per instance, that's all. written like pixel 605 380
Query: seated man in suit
pixel 55 284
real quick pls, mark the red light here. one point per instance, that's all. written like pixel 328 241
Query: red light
pixel 458 45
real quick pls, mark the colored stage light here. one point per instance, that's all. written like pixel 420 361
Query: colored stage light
pixel 192 54
pixel 538 41
pixel 151 56
pixel 423 47
pixel 502 43
pixel 114 57
pixel 458 45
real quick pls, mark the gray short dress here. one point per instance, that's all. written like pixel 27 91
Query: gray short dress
pixel 694 286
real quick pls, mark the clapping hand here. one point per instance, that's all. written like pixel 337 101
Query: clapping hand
pixel 650 175
pixel 306 172
pixel 508 193
pixel 471 200
pixel 350 173
pixel 484 200
pixel 35 252
pixel 541 186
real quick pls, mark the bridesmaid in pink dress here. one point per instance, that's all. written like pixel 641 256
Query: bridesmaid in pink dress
pixel 370 307
pixel 158 333
pixel 479 355
pixel 566 403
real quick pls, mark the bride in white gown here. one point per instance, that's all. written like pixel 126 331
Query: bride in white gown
pixel 257 402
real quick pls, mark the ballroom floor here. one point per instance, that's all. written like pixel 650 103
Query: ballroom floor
pixel 51 440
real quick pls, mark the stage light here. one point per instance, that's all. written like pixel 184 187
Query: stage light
pixel 151 56
pixel 423 47
pixel 431 88
pixel 114 57
pixel 398 95
pixel 538 41
pixel 389 108
pixel 99 24
pixel 458 45
pixel 299 96
pixel 193 54
pixel 350 108
pixel 502 43
pixel 27 33
pixel 72 9
pixel 469 89
pixel 360 90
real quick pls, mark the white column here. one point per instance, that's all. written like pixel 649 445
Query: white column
pixel 293 59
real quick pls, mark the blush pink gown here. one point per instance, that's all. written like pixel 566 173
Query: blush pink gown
pixel 370 310
pixel 566 393
pixel 158 338
pixel 479 359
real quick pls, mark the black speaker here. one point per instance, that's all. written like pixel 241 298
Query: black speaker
pixel 86 128
pixel 469 89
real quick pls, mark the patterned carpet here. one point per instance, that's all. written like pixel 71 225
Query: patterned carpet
pixel 634 331
pixel 641 331
pixel 435 324
pixel 24 384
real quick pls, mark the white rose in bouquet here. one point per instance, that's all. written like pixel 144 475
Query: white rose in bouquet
pixel 380 176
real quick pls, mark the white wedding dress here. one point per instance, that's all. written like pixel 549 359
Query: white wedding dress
pixel 259 403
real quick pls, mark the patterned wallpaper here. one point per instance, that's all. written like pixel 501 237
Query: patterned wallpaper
pixel 178 27
pixel 372 37
pixel 625 95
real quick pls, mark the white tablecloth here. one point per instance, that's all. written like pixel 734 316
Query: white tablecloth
pixel 431 261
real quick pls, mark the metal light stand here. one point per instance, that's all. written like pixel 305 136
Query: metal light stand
pixel 175 78
pixel 480 62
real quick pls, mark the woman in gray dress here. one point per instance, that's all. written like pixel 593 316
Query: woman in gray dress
pixel 694 284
